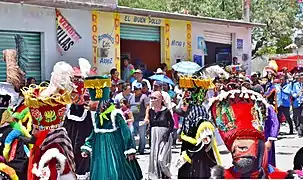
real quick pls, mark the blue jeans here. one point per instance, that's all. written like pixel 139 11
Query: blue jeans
pixel 142 132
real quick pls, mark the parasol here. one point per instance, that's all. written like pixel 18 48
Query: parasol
pixel 186 67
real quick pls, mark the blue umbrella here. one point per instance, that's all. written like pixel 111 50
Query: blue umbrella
pixel 162 78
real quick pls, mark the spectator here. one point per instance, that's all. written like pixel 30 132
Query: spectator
pixel 139 79
pixel 235 61
pixel 126 94
pixel 30 81
pixel 127 69
pixel 166 88
pixel 145 89
pixel 163 67
pixel 113 90
pixel 139 103
pixel 119 86
pixel 128 115
pixel 114 75
pixel 158 86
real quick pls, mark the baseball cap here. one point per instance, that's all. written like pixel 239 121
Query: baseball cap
pixel 138 71
pixel 138 86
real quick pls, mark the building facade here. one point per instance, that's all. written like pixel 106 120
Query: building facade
pixel 49 35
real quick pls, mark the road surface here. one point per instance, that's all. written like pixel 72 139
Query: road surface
pixel 286 147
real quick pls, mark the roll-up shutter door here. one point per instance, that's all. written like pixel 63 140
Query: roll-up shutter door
pixel 217 37
pixel 31 50
pixel 137 32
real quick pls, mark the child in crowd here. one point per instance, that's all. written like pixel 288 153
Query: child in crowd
pixel 127 113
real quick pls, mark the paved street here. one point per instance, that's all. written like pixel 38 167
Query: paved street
pixel 286 147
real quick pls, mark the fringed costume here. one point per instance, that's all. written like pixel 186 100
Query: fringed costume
pixel 16 122
pixel 78 121
pixel 199 150
pixel 241 117
pixel 52 155
pixel 110 144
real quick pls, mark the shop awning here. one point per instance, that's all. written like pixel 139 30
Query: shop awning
pixel 290 62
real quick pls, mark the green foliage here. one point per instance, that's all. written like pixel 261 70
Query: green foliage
pixel 281 17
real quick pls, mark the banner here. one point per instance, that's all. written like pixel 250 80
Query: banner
pixel 66 34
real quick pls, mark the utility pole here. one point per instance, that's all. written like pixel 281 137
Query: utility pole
pixel 246 9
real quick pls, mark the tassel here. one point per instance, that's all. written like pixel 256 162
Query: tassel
pixel 232 95
pixel 253 97
pixel 241 95
pixel 246 96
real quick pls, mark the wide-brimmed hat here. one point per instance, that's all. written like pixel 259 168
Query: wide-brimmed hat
pixel 159 71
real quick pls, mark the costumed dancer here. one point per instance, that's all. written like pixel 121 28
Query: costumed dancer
pixel 15 117
pixel 110 144
pixel 52 155
pixel 240 116
pixel 199 151
pixel 78 122
pixel 270 91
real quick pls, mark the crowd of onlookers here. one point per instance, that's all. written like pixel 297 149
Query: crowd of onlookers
pixel 132 93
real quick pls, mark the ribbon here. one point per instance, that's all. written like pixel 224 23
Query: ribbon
pixel 107 111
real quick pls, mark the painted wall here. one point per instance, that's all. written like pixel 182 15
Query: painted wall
pixel 238 33
pixel 105 37
pixel 178 45
pixel 17 17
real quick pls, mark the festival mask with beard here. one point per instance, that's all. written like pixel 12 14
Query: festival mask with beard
pixel 78 93
pixel 244 153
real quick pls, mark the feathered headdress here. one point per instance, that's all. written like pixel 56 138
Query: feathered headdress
pixel 239 113
pixel 272 68
pixel 82 71
pixel 47 101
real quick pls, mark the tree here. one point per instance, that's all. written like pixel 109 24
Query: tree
pixel 280 17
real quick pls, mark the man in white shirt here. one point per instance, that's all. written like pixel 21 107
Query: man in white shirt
pixel 126 94
pixel 139 79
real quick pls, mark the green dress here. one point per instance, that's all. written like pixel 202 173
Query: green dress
pixel 108 144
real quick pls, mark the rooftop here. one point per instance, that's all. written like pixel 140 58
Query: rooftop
pixel 111 7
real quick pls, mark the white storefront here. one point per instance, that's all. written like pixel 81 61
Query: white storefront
pixel 236 37
pixel 37 25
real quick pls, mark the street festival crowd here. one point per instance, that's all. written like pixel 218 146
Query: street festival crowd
pixel 81 125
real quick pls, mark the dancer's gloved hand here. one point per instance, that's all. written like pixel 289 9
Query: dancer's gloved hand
pixel 84 154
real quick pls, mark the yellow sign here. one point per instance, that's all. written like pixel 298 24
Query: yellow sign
pixel 95 20
pixel 104 41
pixel 117 40
pixel 141 20
pixel 188 40
pixel 167 43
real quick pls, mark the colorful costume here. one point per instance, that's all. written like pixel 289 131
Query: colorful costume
pixel 110 144
pixel 241 116
pixel 52 148
pixel 15 123
pixel 77 117
pixel 197 156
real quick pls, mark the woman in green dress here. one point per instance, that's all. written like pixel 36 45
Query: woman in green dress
pixel 110 144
